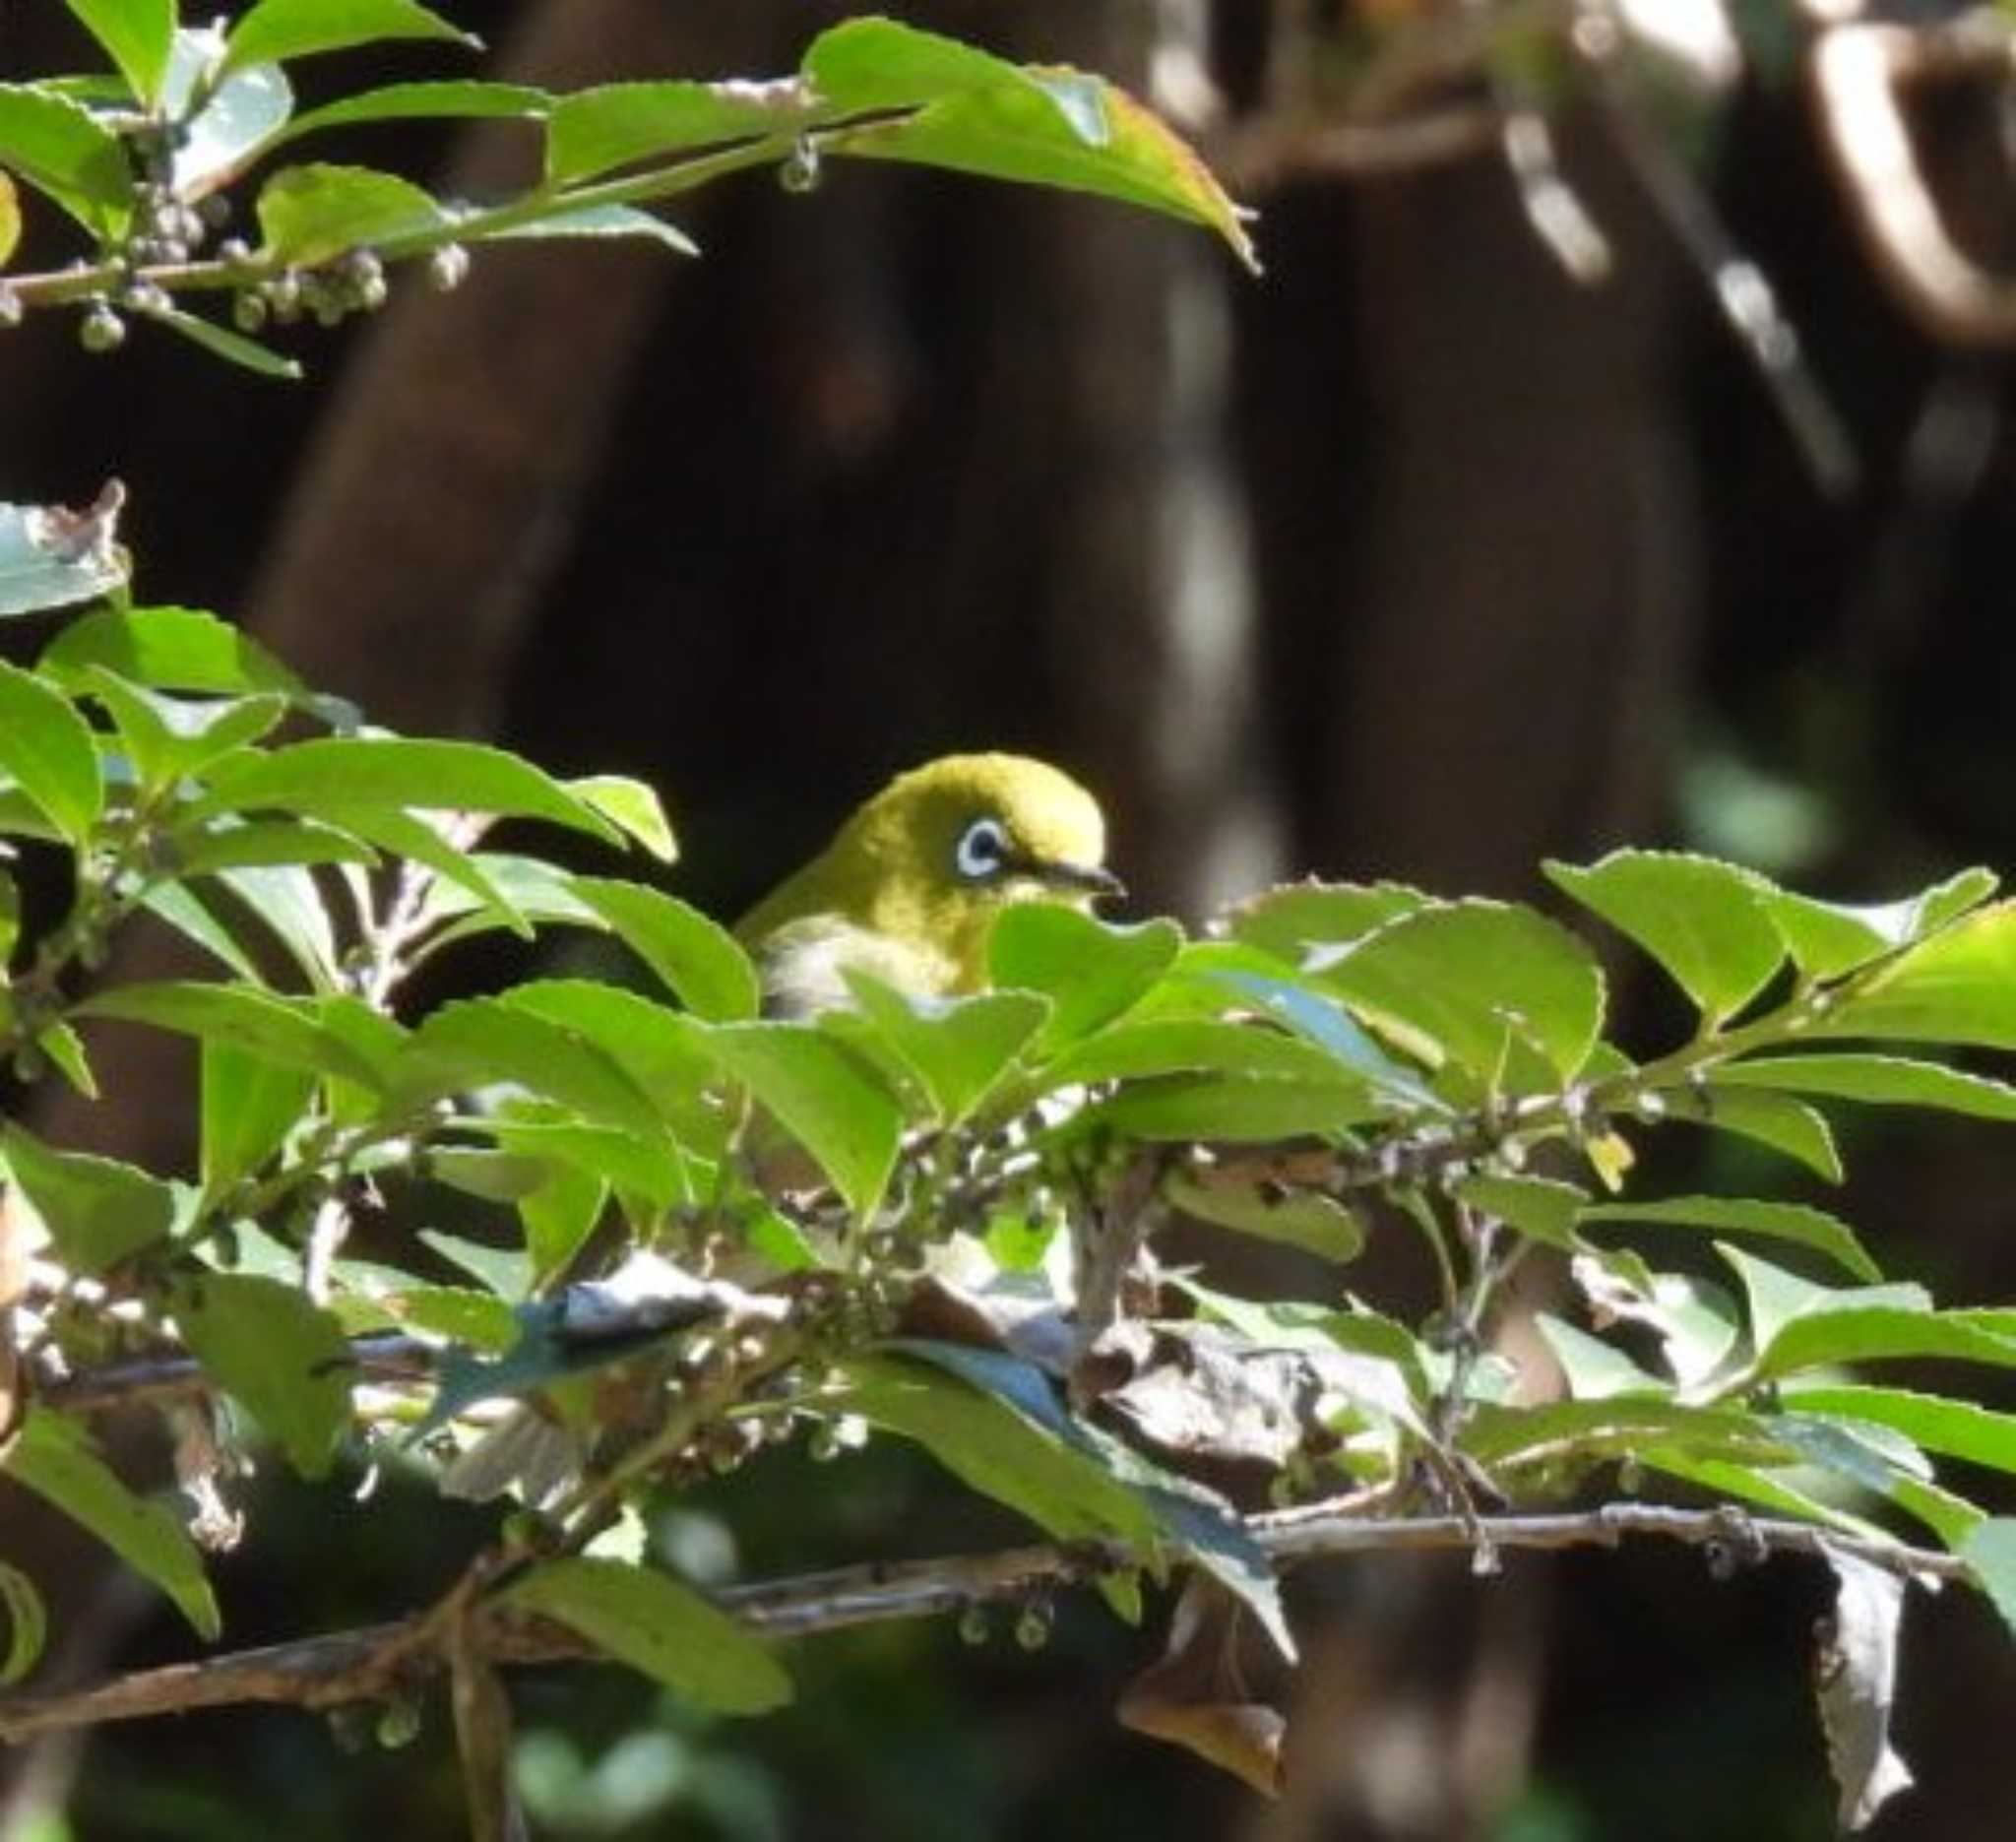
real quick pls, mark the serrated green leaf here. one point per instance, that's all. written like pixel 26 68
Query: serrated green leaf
pixel 559 1216
pixel 959 1049
pixel 1990 1551
pixel 275 30
pixel 1794 1222
pixel 596 130
pixel 1090 970
pixel 1980 1436
pixel 1006 1443
pixel 54 1457
pixel 168 737
pixel 1130 1050
pixel 1294 918
pixel 283 1357
pixel 97 1211
pixel 184 912
pixel 28 1625
pixel 136 36
pixel 1044 125
pixel 332 776
pixel 46 749
pixel 1778 1297
pixel 405 835
pixel 67 155
pixel 1539 1207
pixel 634 807
pixel 1615 1426
pixel 466 100
pixel 1233 1108
pixel 1595 1369
pixel 1701 919
pixel 10 218
pixel 825 1097
pixel 479 1042
pixel 233 120
pixel 168 649
pixel 596 223
pixel 1873 1333
pixel 506 1271
pixel 1775 1491
pixel 282 1030
pixel 696 958
pixel 1477 981
pixel 1877 1080
pixel 256 844
pixel 1775 1119
pixel 1958 986
pixel 1316 1223
pixel 310 213
pixel 65 1050
pixel 289 904
pixel 478 1318
pixel 1829 938
pixel 1319 1018
pixel 248 1107
pixel 659 1627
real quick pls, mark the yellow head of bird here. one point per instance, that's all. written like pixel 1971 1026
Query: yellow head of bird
pixel 914 879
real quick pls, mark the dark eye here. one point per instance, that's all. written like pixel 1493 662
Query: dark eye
pixel 982 851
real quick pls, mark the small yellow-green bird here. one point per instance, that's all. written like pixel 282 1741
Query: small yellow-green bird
pixel 910 883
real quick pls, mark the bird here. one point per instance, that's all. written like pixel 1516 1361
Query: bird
pixel 909 887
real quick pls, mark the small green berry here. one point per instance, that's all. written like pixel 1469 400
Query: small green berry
pixel 101 330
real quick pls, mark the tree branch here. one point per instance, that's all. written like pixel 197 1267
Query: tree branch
pixel 377 1661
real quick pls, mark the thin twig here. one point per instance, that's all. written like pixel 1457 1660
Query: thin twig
pixel 379 1660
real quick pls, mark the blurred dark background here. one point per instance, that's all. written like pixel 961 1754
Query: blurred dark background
pixel 1416 558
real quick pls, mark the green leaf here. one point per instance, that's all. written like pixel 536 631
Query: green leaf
pixel 248 1107
pixel 559 1216
pixel 634 807
pixel 1315 1223
pixel 1295 918
pixel 1131 1050
pixel 1879 1080
pixel 289 902
pixel 278 1030
pixel 168 737
pixel 1595 1369
pixel 596 130
pixel 136 36
pixel 65 1049
pixel 233 120
pixel 169 649
pixel 1008 1442
pixel 183 912
pixel 1044 125
pixel 1233 1108
pixel 1695 1320
pixel 506 1271
pixel 659 1627
pixel 463 1316
pixel 226 843
pixel 334 775
pixel 480 1041
pixel 405 835
pixel 1875 1333
pixel 697 959
pixel 44 565
pixel 1617 1427
pixel 1778 1297
pixel 1828 940
pixel 1477 981
pixel 46 748
pixel 651 1173
pixel 1958 986
pixel 1319 1018
pixel 1775 1119
pixel 1990 1549
pixel 1980 1436
pixel 275 30
pixel 466 100
pixel 592 221
pixel 310 213
pixel 1700 919
pixel 1794 1222
pixel 28 1625
pixel 54 1457
pixel 1774 1490
pixel 283 1356
pixel 10 224
pixel 65 153
pixel 1090 970
pixel 1539 1207
pixel 825 1097
pixel 959 1049
pixel 223 343
pixel 97 1211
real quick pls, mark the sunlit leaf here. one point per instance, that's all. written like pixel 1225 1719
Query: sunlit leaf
pixel 46 749
pixel 1794 1222
pixel 283 1357
pixel 136 36
pixel 1878 1080
pixel 1959 986
pixel 97 1210
pixel 274 31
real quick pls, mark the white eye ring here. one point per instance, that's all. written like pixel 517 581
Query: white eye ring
pixel 982 853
